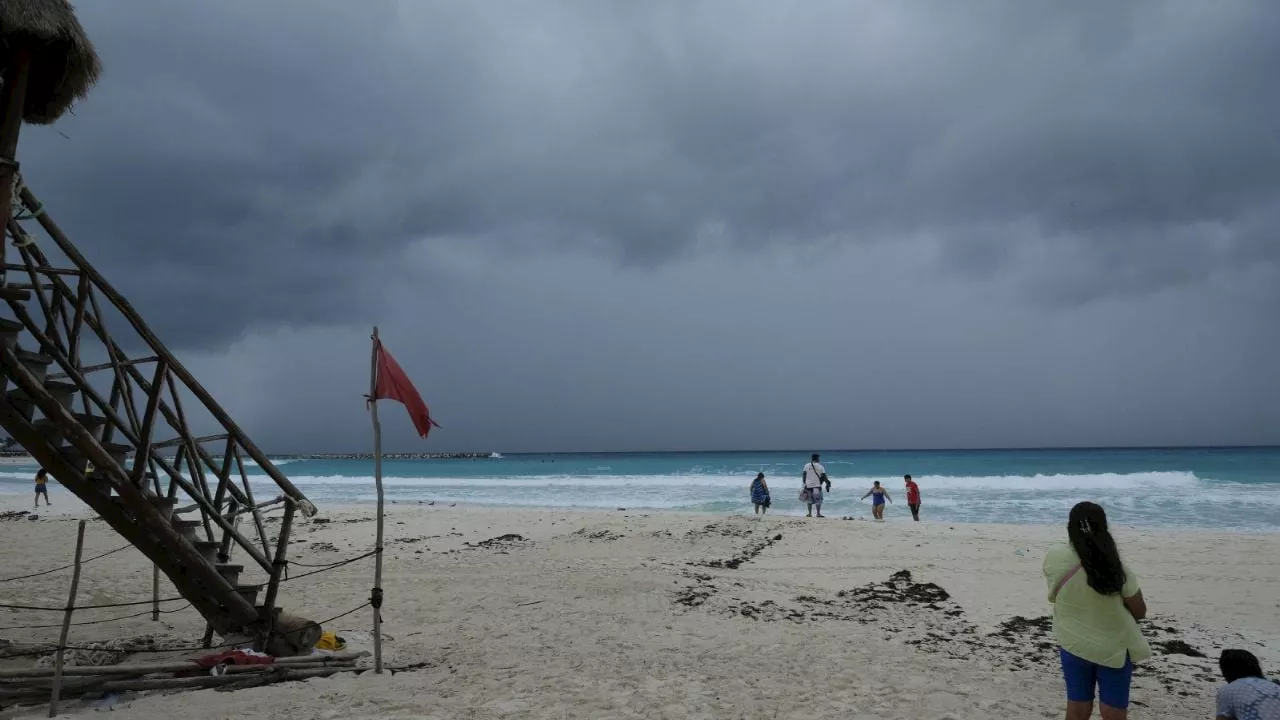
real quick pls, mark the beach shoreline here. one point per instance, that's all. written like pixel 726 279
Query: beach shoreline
pixel 584 613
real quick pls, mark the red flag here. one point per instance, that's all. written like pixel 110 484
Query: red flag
pixel 393 384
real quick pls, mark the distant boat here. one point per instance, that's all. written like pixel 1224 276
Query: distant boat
pixel 495 456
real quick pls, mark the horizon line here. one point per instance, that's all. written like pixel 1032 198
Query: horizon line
pixel 801 451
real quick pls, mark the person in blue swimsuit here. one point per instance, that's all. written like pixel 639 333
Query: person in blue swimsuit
pixel 878 495
pixel 760 494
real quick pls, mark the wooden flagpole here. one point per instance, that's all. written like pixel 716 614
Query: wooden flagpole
pixel 376 595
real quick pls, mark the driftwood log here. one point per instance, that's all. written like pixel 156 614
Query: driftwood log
pixel 172 667
pixel 36 688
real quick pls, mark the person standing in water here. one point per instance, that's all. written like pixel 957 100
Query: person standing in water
pixel 1095 615
pixel 913 497
pixel 760 494
pixel 42 487
pixel 878 495
pixel 813 477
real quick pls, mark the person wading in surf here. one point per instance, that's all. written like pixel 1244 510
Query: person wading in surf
pixel 813 477
pixel 878 495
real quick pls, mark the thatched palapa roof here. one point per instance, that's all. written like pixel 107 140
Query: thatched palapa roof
pixel 63 64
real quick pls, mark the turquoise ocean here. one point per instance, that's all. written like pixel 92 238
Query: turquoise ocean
pixel 1214 488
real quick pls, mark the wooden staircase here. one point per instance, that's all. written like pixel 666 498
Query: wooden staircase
pixel 132 456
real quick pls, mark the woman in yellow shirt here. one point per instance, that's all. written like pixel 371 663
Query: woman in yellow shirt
pixel 1096 607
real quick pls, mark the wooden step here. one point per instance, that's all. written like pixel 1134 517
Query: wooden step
pixel 229 572
pixel 94 424
pixel 209 549
pixel 188 528
pixel 36 363
pixel 163 505
pixel 56 435
pixel 13 294
pixel 9 330
pixel 63 392
pixel 262 611
pixel 249 593
pixel 52 431
pixel 117 451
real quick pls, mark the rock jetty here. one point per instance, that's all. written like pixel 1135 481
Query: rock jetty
pixel 386 456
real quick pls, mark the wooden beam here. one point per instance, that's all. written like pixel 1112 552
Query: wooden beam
pixel 86 369
pixel 278 566
pixel 248 491
pixel 44 270
pixel 183 428
pixel 180 441
pixel 116 357
pixel 143 453
pixel 73 337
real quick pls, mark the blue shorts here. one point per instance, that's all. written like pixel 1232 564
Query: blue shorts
pixel 1081 675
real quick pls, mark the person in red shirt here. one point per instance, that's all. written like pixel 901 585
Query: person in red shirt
pixel 913 497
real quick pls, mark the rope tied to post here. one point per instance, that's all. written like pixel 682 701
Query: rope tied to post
pixel 19 209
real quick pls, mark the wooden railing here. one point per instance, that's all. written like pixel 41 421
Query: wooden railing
pixel 144 408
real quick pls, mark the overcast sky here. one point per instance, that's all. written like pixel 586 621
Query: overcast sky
pixel 683 225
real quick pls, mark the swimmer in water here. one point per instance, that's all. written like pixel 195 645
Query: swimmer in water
pixel 878 495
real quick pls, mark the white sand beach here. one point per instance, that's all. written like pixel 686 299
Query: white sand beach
pixel 635 615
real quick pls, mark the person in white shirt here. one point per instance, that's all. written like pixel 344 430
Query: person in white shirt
pixel 814 476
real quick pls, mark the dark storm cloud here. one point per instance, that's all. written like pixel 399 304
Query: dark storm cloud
pixel 247 162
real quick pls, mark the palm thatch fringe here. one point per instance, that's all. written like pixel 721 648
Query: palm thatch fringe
pixel 64 64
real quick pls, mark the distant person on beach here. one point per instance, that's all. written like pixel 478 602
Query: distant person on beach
pixel 878 495
pixel 760 494
pixel 1095 615
pixel 1247 694
pixel 42 487
pixel 913 497
pixel 813 477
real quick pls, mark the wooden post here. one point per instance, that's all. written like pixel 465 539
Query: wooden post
pixel 13 97
pixel 376 597
pixel 66 622
pixel 278 566
pixel 155 593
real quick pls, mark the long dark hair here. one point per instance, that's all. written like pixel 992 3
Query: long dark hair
pixel 1236 664
pixel 1087 531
